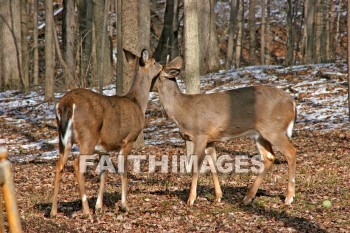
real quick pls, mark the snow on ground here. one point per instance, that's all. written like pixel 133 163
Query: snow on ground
pixel 320 92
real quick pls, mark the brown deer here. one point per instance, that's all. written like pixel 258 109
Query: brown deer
pixel 264 112
pixel 111 122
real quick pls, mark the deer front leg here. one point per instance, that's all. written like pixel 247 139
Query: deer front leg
pixel 218 193
pixel 81 183
pixel 59 169
pixel 200 144
pixel 124 175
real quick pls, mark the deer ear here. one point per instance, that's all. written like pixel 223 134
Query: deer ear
pixel 144 57
pixel 176 63
pixel 130 57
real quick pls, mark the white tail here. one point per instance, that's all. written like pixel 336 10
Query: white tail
pixel 111 122
pixel 264 112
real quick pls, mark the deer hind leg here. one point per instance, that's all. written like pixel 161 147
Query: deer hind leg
pixel 124 175
pixel 63 156
pixel 268 159
pixel 99 201
pixel 218 193
pixel 84 150
pixel 200 144
pixel 289 151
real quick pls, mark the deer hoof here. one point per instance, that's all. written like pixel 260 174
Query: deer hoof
pixel 124 208
pixel 289 200
pixel 247 200
pixel 53 214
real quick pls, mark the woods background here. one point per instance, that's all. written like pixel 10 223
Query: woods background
pixel 60 45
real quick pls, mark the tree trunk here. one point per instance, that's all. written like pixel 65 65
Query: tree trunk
pixel 289 44
pixel 262 34
pixel 120 74
pixel 318 31
pixel 192 67
pixel 337 34
pixel 232 32
pixel 168 41
pixel 68 34
pixel 239 39
pixel 49 53
pixel 209 49
pixel 102 65
pixel 348 27
pixel 35 45
pixel 309 31
pixel 144 24
pixel 10 46
pixel 330 33
pixel 24 44
pixel 252 29
pixel 268 32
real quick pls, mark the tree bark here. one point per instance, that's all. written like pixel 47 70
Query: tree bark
pixel 168 41
pixel 348 29
pixel 252 29
pixel 68 34
pixel 262 34
pixel 24 44
pixel 35 45
pixel 318 31
pixel 232 32
pixel 289 44
pixel 239 40
pixel 309 31
pixel 337 34
pixel 268 32
pixel 49 53
pixel 208 43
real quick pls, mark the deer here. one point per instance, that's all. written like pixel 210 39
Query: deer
pixel 265 113
pixel 108 123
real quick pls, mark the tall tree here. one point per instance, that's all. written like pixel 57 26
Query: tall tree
pixel 348 29
pixel 337 33
pixel 318 31
pixel 35 45
pixel 239 39
pixel 144 24
pixel 68 34
pixel 192 68
pixel 309 31
pixel 268 32
pixel 24 44
pixel 102 62
pixel 49 52
pixel 9 53
pixel 168 42
pixel 289 44
pixel 232 32
pixel 252 31
pixel 263 34
pixel 208 42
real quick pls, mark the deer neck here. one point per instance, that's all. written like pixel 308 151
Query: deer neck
pixel 139 90
pixel 170 97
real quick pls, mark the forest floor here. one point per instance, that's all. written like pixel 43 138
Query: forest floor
pixel 158 200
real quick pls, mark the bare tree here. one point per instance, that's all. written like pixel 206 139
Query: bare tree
pixel 24 44
pixel 192 68
pixel 68 34
pixel 232 32
pixel 239 39
pixel 309 31
pixel 348 29
pixel 268 32
pixel 49 53
pixel 262 34
pixel 289 44
pixel 337 33
pixel 168 42
pixel 252 31
pixel 318 31
pixel 35 45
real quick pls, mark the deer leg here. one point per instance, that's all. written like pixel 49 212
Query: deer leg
pixel 99 201
pixel 124 176
pixel 59 169
pixel 290 152
pixel 268 159
pixel 81 183
pixel 200 144
pixel 218 193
